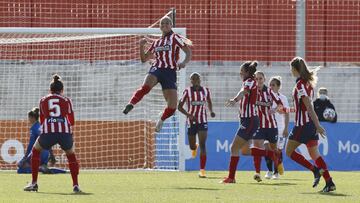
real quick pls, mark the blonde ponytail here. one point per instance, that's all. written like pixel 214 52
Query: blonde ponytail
pixel 305 73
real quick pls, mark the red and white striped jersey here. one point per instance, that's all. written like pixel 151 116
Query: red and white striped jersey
pixel 56 114
pixel 266 98
pixel 167 51
pixel 196 103
pixel 302 89
pixel 247 103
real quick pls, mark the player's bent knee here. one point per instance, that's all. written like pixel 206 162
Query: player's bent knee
pixel 172 105
pixel 37 146
pixel 192 147
pixel 234 150
pixel 245 151
pixel 69 151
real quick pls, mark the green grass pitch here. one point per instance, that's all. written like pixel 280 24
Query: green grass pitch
pixel 154 186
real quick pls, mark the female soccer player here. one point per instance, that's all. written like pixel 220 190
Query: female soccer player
pixel 282 121
pixel 57 119
pixel 163 69
pixel 249 120
pixel 196 98
pixel 24 164
pixel 268 128
pixel 307 126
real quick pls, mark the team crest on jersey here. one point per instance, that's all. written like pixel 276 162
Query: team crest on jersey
pixel 166 47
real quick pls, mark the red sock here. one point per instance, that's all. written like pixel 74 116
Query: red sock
pixel 257 163
pixel 35 163
pixel 262 152
pixel 74 168
pixel 139 94
pixel 320 163
pixel 202 161
pixel 300 159
pixel 268 153
pixel 167 113
pixel 232 166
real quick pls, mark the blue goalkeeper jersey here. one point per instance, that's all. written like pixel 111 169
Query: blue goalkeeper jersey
pixel 34 134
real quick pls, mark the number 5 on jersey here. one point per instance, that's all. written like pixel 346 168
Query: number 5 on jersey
pixel 54 108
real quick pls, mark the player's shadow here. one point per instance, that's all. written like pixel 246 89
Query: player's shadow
pixel 219 178
pixel 272 184
pixel 293 179
pixel 63 193
pixel 334 194
pixel 195 188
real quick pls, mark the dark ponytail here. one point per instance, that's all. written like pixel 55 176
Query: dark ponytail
pixel 34 113
pixel 250 67
pixel 56 85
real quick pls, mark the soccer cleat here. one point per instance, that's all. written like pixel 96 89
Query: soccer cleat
pixel 202 173
pixel 330 186
pixel 194 152
pixel 257 177
pixel 128 108
pixel 159 125
pixel 281 168
pixel 275 176
pixel 268 174
pixel 31 187
pixel 228 180
pixel 317 175
pixel 76 189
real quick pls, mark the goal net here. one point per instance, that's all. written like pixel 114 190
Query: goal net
pixel 101 70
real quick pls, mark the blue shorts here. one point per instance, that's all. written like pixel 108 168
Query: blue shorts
pixel 65 140
pixel 195 128
pixel 304 134
pixel 269 134
pixel 165 76
pixel 248 127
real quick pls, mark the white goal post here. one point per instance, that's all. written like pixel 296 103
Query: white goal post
pixel 101 69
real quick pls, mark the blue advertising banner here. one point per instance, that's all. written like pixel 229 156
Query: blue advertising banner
pixel 341 148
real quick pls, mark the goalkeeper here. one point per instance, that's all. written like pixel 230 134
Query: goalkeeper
pixel 24 165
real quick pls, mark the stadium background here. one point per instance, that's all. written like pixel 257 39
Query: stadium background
pixel 224 33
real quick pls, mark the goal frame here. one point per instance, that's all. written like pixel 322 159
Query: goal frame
pixel 119 31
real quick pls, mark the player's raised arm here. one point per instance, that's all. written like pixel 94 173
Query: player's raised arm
pixel 145 56
pixel 166 52
pixel 188 56
pixel 238 97
pixel 184 44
